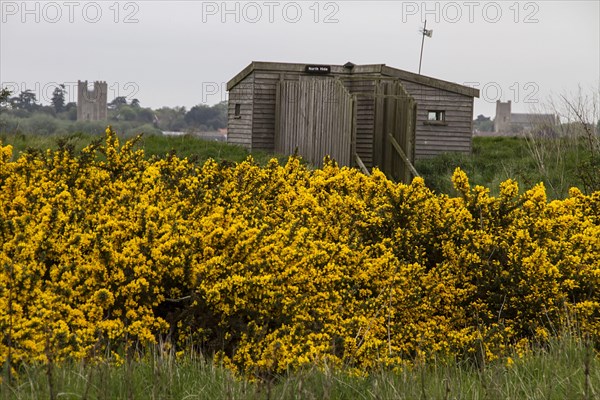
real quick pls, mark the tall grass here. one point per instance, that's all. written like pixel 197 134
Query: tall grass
pixel 565 368
pixel 496 159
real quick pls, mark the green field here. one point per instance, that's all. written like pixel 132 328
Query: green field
pixel 559 163
pixel 192 147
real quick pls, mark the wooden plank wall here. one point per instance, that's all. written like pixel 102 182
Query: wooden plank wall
pixel 263 123
pixel 315 119
pixel 239 129
pixel 395 114
pixel 455 135
pixel 364 90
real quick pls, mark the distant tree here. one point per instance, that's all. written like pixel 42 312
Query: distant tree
pixel 58 98
pixel 205 117
pixel 126 113
pixel 483 123
pixel 71 110
pixel 49 110
pixel 26 100
pixel 41 124
pixel 143 114
pixel 171 119
pixel 220 120
pixel 135 103
pixel 199 115
pixel 178 124
pixel 117 103
pixel 4 96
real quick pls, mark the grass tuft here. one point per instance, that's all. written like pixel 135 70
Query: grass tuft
pixel 566 368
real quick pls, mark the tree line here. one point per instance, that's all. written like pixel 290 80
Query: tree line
pixel 18 110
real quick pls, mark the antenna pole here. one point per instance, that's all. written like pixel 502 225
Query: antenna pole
pixel 422 43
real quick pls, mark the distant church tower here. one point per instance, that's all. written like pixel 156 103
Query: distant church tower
pixel 502 121
pixel 92 104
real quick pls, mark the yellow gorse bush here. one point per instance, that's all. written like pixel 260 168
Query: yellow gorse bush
pixel 271 268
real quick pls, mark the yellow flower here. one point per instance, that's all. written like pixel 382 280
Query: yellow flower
pixel 282 266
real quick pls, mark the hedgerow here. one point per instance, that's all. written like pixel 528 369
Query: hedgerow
pixel 272 268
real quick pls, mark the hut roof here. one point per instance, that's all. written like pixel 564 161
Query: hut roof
pixel 367 69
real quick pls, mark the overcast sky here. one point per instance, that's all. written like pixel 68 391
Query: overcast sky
pixel 182 53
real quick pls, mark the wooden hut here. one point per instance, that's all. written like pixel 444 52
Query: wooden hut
pixel 359 114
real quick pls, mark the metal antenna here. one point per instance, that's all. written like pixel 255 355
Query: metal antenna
pixel 428 33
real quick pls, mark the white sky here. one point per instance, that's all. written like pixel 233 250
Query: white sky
pixel 170 53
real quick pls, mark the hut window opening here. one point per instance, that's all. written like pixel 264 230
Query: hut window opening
pixel 437 116
pixel 237 111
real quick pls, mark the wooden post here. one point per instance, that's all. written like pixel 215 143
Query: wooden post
pixel 353 122
pixel 277 138
pixel 379 131
pixel 361 165
pixel 402 155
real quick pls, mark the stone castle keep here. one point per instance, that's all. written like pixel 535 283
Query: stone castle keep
pixel 502 120
pixel 92 104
